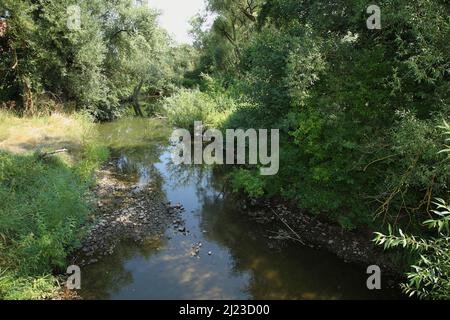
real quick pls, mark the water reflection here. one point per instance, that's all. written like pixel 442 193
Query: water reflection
pixel 243 264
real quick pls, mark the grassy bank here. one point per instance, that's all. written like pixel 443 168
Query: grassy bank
pixel 43 198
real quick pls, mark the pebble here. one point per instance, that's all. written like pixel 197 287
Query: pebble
pixel 140 216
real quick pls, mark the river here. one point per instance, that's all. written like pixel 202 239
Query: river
pixel 235 261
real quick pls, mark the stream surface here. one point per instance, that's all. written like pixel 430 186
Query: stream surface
pixel 236 260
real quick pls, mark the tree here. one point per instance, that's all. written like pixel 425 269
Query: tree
pixel 116 50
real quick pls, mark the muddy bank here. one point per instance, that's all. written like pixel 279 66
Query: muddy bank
pixel 126 212
pixel 292 224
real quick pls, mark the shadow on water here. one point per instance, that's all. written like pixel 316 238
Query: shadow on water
pixel 235 261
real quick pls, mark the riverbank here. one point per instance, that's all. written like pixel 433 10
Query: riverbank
pixel 211 250
pixel 292 224
pixel 197 242
pixel 125 212
pixel 126 200
pixel 46 170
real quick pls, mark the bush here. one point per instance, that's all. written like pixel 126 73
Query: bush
pixel 187 106
pixel 247 181
pixel 357 110
pixel 430 277
pixel 13 287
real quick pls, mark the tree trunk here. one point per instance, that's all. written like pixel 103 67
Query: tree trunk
pixel 27 97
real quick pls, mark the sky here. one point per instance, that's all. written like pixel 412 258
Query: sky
pixel 176 14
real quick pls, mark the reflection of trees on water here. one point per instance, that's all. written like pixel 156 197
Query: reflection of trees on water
pixel 289 272
pixel 203 177
pixel 200 177
pixel 294 272
pixel 134 133
pixel 182 175
pixel 130 159
pixel 137 165
pixel 109 276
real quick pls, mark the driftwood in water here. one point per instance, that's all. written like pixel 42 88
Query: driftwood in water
pixel 297 237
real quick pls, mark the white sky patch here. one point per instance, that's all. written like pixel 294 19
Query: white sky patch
pixel 175 16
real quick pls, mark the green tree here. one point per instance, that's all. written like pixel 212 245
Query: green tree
pixel 116 51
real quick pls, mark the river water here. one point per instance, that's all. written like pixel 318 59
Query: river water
pixel 236 260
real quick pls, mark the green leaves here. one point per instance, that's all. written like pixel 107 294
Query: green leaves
pixel 446 127
pixel 443 211
pixel 95 67
pixel 359 108
pixel 43 206
pixel 187 106
pixel 246 180
pixel 430 278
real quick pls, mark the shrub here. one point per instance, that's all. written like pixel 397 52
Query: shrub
pixel 246 180
pixel 430 277
pixel 212 108
pixel 13 287
pixel 187 106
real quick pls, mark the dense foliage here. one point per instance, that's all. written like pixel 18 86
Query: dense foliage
pixel 99 55
pixel 430 277
pixel 359 109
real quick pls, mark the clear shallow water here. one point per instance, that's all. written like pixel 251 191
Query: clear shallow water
pixel 243 264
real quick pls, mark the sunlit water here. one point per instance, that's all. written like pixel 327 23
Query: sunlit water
pixel 243 263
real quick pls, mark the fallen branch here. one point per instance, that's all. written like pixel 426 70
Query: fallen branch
pixel 299 239
pixel 283 236
pixel 48 154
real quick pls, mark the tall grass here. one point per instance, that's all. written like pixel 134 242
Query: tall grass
pixel 43 204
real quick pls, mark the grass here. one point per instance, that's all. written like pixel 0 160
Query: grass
pixel 43 203
pixel 23 135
